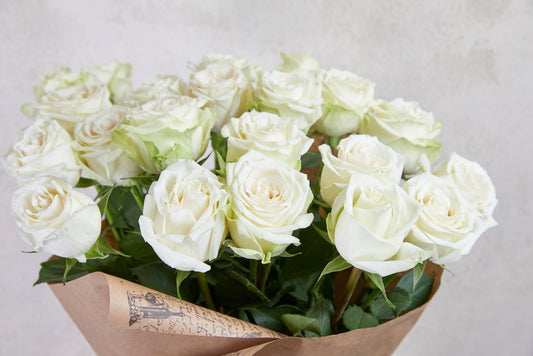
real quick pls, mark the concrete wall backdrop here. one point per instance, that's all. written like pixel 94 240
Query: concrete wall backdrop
pixel 469 62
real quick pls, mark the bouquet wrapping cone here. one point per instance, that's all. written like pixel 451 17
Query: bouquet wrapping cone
pixel 118 317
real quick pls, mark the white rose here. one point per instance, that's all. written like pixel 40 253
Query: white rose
pixel 300 63
pixel 116 76
pixel 62 78
pixel 369 223
pixel 450 223
pixel 358 155
pixel 54 218
pixel 163 86
pixel 470 177
pixel 73 104
pixel 292 96
pixel 346 99
pixel 406 128
pixel 266 133
pixel 225 88
pixel 161 131
pixel 99 158
pixel 251 71
pixel 44 148
pixel 269 200
pixel 183 216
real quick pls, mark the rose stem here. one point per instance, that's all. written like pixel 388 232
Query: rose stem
pixel 252 275
pixel 202 282
pixel 347 294
pixel 138 196
pixel 108 215
pixel 264 276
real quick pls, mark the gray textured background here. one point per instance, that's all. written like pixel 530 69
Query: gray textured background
pixel 469 62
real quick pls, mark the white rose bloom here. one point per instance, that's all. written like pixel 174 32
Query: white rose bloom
pixel 406 128
pixel 62 78
pixel 251 71
pixel 359 156
pixel 269 200
pixel 99 158
pixel 299 63
pixel 346 99
pixel 44 148
pixel 369 223
pixel 450 223
pixel 292 96
pixel 225 88
pixel 54 218
pixel 266 133
pixel 116 76
pixel 161 131
pixel 470 177
pixel 183 216
pixel 73 104
pixel 163 86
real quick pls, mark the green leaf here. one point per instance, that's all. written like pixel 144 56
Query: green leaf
pixel 86 182
pixel 102 249
pixel 230 293
pixel 316 253
pixel 219 144
pixel 134 245
pixel 158 276
pixel 321 309
pixel 69 263
pixel 421 291
pixel 384 311
pixel 311 160
pixel 378 282
pixel 123 208
pixel 54 271
pixel 418 272
pixel 336 265
pixel 355 317
pixel 297 323
pixel 270 318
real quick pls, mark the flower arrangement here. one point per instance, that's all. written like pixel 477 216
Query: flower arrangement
pixel 316 217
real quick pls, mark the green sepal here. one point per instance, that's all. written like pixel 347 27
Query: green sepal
pixel 101 249
pixel 322 233
pixel 289 255
pixel 378 282
pixel 180 277
pixel 69 263
pixel 86 182
pixel 336 265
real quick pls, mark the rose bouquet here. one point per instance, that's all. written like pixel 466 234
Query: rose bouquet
pixel 291 199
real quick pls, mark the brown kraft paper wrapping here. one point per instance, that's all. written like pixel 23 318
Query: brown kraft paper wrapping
pixel 119 317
